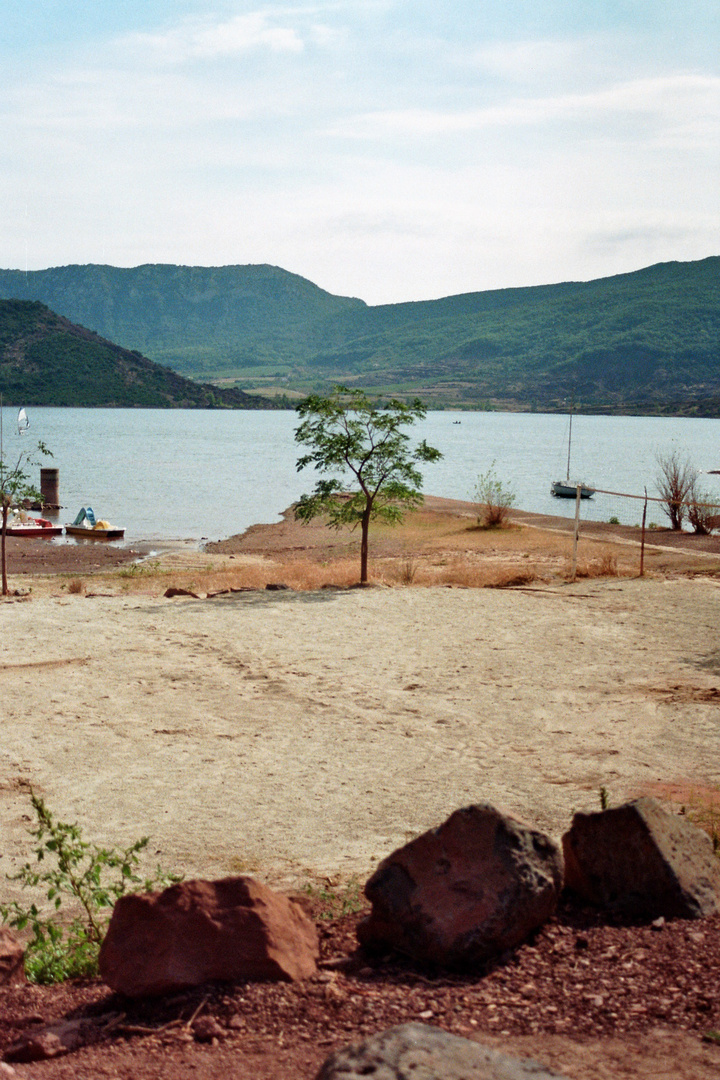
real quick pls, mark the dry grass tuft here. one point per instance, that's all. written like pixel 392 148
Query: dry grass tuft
pixel 604 564
pixel 76 587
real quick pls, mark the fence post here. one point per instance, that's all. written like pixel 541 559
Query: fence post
pixel 578 489
pixel 642 538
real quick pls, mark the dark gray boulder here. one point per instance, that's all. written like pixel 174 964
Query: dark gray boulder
pixel 419 1052
pixel 468 890
pixel 639 860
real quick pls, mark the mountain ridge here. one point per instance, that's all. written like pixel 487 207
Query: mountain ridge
pixel 47 360
pixel 644 340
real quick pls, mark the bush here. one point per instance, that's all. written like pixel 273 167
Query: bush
pixel 674 480
pixel 702 514
pixel 493 501
pixel 90 876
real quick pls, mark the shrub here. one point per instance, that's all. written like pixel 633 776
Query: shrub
pixel 93 878
pixel 702 513
pixel 493 501
pixel 674 480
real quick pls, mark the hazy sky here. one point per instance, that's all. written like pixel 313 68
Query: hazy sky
pixel 387 149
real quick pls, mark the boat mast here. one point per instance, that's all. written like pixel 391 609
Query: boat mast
pixel 569 443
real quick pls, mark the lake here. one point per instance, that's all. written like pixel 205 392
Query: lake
pixel 206 474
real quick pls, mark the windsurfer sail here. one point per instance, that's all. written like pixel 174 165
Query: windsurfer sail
pixel 22 422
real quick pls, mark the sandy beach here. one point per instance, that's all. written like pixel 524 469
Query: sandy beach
pixel 299 735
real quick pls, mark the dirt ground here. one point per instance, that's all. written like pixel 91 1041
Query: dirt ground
pixel 301 736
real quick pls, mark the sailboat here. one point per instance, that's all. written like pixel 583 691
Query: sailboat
pixel 567 488
pixel 22 422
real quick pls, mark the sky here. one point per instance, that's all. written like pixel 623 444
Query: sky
pixel 387 149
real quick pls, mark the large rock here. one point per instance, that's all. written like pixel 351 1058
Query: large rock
pixel 466 891
pixel 235 929
pixel 639 860
pixel 12 958
pixel 418 1052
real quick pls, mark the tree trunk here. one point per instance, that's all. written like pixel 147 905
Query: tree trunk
pixel 364 530
pixel 3 558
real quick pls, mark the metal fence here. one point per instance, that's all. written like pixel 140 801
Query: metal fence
pixel 702 517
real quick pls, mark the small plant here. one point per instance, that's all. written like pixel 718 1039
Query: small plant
pixel 409 570
pixel 614 521
pixel 604 798
pixel 493 501
pixel 337 901
pixel 91 877
pixel 76 587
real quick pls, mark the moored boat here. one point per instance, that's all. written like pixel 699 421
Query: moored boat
pixel 86 526
pixel 567 488
pixel 26 526
pixel 564 489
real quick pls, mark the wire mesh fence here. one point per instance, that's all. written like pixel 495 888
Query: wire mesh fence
pixel 681 514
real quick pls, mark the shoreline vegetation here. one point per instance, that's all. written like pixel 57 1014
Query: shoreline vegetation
pixel 438 545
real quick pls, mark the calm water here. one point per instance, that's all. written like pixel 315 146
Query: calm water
pixel 175 474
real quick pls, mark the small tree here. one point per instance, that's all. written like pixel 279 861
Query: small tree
pixel 674 480
pixel 703 513
pixel 14 487
pixel 362 441
pixel 493 501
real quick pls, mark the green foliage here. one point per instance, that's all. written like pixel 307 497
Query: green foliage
pixel 363 444
pixel 337 901
pixel 493 500
pixel 45 360
pixel 93 878
pixel 604 797
pixel 15 486
pixel 614 521
pixel 638 342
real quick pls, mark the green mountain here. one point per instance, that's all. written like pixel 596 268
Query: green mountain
pixel 640 342
pixel 47 360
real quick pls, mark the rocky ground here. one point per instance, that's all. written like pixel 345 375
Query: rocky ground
pixel 592 999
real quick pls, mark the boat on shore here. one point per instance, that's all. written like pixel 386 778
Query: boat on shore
pixel 22 525
pixel 567 488
pixel 87 527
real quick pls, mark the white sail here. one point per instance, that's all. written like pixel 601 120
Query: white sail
pixel 22 422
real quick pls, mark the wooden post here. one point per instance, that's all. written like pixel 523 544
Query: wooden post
pixel 578 489
pixel 642 537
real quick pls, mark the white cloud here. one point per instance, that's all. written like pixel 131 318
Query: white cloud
pixel 519 61
pixel 207 40
pixel 689 103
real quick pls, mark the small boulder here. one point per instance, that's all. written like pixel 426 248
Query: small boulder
pixel 639 860
pixel 235 929
pixel 413 1051
pixel 465 891
pixel 48 1042
pixel 12 957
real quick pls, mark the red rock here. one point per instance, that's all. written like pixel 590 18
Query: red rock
pixel 466 891
pixel 640 860
pixel 12 957
pixel 235 929
pixel 48 1042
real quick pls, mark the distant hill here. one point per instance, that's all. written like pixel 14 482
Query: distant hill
pixel 47 360
pixel 647 341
